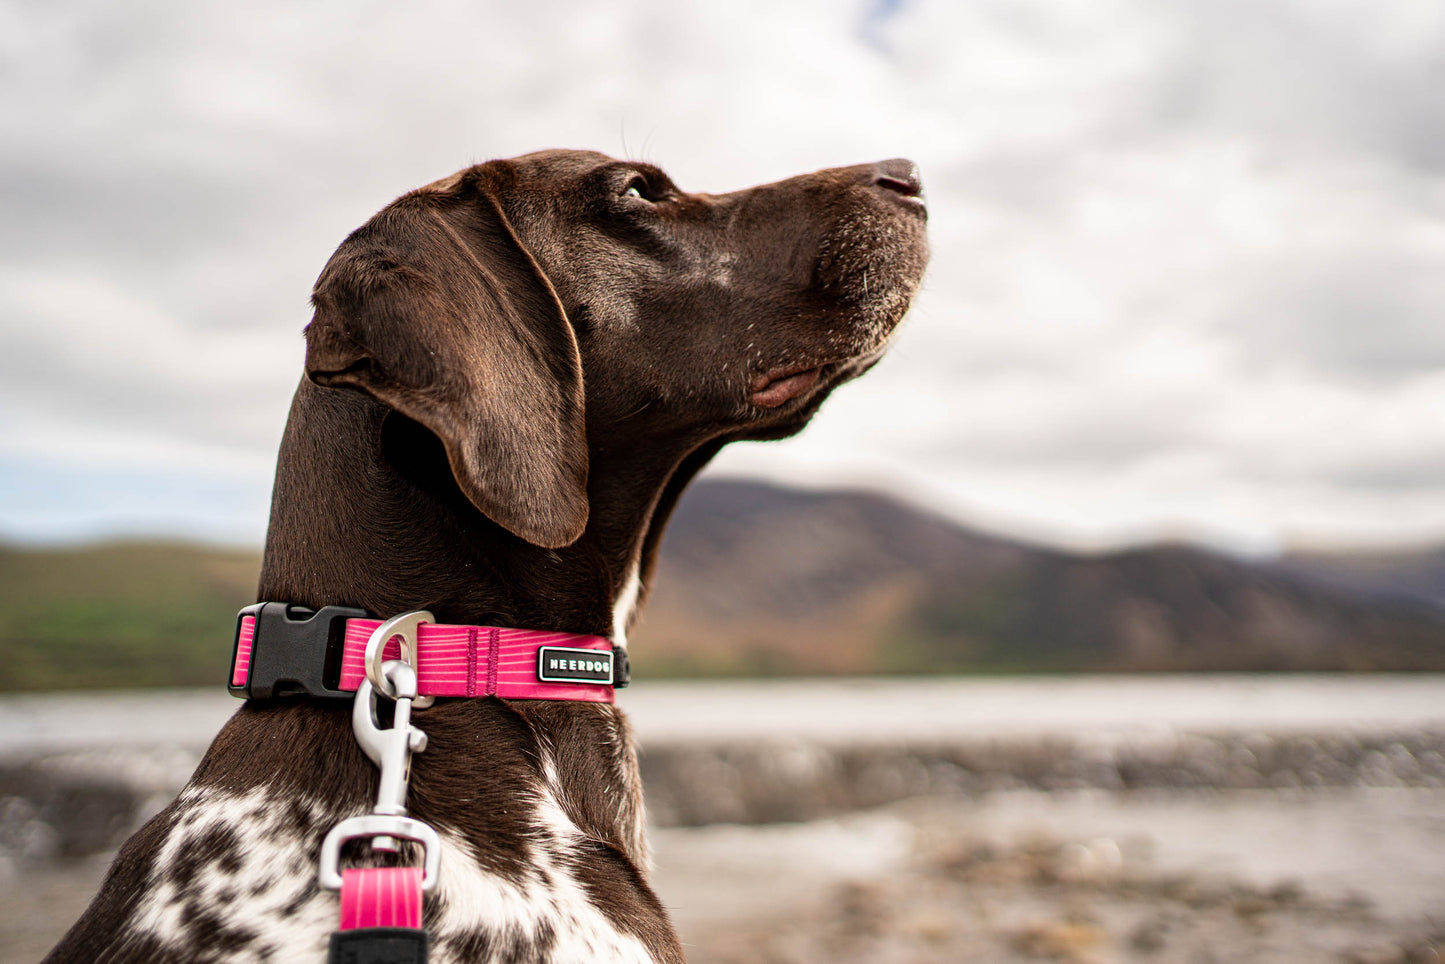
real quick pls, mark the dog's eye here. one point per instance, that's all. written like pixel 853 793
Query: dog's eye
pixel 637 188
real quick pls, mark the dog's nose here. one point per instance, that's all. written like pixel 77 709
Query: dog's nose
pixel 900 176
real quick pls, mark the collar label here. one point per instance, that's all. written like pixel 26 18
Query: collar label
pixel 558 664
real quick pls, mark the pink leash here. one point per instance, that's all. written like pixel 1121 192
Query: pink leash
pixel 380 918
pixel 381 897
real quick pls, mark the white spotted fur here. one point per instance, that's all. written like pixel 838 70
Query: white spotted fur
pixel 475 898
pixel 548 898
pixel 269 852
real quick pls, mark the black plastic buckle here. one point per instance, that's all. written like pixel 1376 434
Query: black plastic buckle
pixel 295 651
pixel 621 669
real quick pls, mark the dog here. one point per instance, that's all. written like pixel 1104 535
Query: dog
pixel 511 375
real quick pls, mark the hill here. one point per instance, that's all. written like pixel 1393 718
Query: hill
pixel 761 579
pixel 120 615
pixel 757 578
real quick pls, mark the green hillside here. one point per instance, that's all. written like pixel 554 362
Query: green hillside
pixel 118 615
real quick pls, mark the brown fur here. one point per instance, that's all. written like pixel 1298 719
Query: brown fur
pixel 511 375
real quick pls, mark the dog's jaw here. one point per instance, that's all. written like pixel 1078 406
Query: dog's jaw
pixel 868 268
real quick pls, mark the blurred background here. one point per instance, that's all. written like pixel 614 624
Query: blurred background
pixel 1126 567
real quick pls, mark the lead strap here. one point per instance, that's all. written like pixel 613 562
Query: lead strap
pixel 381 897
pixel 380 918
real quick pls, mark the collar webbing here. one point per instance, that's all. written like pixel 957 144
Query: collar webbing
pixel 283 650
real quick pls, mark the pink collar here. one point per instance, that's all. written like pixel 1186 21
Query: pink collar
pixel 283 649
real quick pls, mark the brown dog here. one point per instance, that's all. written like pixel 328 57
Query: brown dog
pixel 511 375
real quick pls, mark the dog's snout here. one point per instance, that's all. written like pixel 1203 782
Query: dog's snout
pixel 900 176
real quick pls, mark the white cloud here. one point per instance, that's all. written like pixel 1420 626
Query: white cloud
pixel 1188 255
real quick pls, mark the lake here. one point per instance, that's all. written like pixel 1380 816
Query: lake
pixel 842 710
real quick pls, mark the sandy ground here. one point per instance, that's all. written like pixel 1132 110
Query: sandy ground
pixel 1354 876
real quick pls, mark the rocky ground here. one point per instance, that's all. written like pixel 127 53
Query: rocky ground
pixel 1015 878
pixel 951 894
pixel 1153 847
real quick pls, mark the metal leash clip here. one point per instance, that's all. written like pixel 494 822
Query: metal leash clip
pixel 390 748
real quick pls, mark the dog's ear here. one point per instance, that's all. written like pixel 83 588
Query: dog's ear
pixel 435 309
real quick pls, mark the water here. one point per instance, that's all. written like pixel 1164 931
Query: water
pixel 944 710
pixel 842 711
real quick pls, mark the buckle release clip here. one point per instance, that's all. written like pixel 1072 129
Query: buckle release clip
pixel 295 651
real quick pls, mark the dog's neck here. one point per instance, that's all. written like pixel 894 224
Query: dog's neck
pixel 365 514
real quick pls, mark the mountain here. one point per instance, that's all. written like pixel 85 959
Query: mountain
pixel 1417 574
pixel 761 579
pixel 757 578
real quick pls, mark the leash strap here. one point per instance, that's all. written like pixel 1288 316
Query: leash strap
pixel 380 918
pixel 276 653
pixel 381 897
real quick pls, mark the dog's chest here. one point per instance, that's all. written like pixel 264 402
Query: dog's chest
pixel 235 881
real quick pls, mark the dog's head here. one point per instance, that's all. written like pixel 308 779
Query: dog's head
pixel 520 309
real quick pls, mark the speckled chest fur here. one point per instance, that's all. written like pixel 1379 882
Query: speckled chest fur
pixel 511 376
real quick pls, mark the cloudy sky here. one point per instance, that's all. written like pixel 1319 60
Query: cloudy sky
pixel 1189 255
